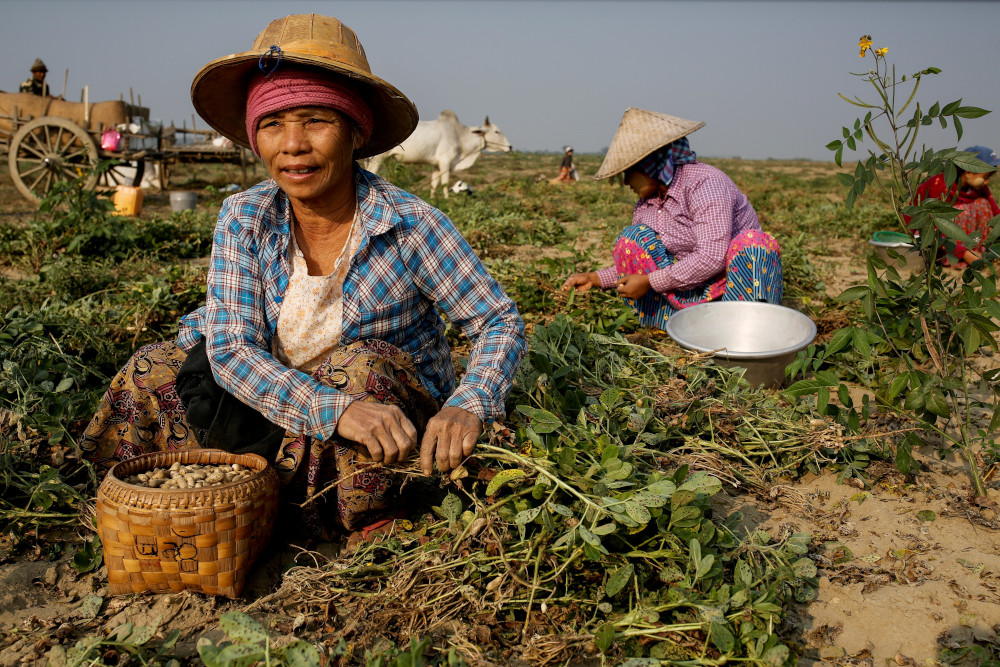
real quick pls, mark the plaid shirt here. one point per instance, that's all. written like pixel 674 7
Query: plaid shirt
pixel 410 260
pixel 702 212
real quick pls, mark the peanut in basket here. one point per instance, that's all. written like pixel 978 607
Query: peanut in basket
pixel 190 476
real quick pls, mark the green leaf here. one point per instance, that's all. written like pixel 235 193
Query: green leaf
pixel 560 509
pixel 144 633
pixel 610 397
pixel 702 482
pixel 542 421
pixel 88 557
pixel 619 580
pixel 861 345
pixel 240 655
pixel 209 652
pixel 897 385
pixel 686 513
pixel 804 568
pixel 604 529
pixel 503 477
pixel 663 488
pixel 623 471
pixel 936 403
pixel 647 499
pixel 451 507
pixel 681 498
pixel 776 656
pixel 605 637
pixel 926 515
pixel 854 293
pixel 970 112
pixel 300 654
pixel 722 637
pixel 994 423
pixel 640 662
pixel 637 512
pixel 90 607
pixel 525 517
pixel 240 626
pixel 840 339
pixel 802 388
pixel 704 565
pixel 744 575
pixel 590 538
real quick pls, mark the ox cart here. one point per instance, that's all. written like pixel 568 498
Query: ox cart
pixel 50 140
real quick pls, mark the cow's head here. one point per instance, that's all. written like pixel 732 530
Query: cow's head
pixel 461 186
pixel 495 141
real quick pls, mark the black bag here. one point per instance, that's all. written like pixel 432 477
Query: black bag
pixel 222 420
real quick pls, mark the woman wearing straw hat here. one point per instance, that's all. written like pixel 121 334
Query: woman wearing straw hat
pixel 694 236
pixel 319 344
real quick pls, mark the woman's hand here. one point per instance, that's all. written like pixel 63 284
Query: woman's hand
pixel 582 281
pixel 383 429
pixel 451 436
pixel 634 286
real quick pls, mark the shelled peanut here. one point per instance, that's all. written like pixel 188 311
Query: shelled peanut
pixel 190 476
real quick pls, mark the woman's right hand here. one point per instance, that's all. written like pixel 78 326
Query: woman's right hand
pixel 582 281
pixel 383 429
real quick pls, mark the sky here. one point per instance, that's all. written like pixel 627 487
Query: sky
pixel 764 76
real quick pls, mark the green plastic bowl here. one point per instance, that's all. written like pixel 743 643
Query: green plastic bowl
pixel 892 237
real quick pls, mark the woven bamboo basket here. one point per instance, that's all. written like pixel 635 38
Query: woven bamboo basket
pixel 206 539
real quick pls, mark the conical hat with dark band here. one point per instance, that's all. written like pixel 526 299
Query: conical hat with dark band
pixel 219 90
pixel 640 133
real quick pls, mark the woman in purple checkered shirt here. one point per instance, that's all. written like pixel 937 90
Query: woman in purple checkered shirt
pixel 320 345
pixel 694 236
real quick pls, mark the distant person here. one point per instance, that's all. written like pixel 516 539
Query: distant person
pixel 970 193
pixel 694 236
pixel 567 170
pixel 36 84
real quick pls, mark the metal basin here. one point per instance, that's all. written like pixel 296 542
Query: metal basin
pixel 183 201
pixel 763 338
pixel 910 260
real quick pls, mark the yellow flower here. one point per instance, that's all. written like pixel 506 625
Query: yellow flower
pixel 881 52
pixel 864 43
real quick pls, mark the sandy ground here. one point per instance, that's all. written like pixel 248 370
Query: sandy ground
pixel 906 567
pixel 896 582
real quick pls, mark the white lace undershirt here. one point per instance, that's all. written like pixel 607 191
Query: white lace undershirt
pixel 311 318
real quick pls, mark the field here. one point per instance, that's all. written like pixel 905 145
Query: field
pixel 639 505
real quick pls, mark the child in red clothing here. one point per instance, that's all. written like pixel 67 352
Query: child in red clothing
pixel 970 193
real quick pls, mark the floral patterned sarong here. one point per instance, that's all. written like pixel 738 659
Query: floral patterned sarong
pixel 142 413
pixel 753 273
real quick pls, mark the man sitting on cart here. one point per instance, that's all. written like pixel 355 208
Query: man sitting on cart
pixel 36 84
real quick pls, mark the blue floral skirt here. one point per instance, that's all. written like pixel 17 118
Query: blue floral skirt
pixel 753 273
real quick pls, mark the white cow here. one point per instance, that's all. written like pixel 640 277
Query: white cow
pixel 447 145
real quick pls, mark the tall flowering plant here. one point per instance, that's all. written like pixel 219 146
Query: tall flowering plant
pixel 917 343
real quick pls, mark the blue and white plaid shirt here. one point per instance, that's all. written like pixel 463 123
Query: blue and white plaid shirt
pixel 410 260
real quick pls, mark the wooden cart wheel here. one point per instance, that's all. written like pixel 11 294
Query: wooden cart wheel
pixel 126 172
pixel 48 150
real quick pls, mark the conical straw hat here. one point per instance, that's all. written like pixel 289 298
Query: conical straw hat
pixel 640 133
pixel 219 90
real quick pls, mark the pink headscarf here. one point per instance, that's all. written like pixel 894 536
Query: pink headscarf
pixel 297 88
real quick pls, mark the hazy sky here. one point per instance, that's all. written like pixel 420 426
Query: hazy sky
pixel 764 76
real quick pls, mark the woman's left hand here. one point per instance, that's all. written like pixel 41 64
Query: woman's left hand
pixel 634 286
pixel 451 436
